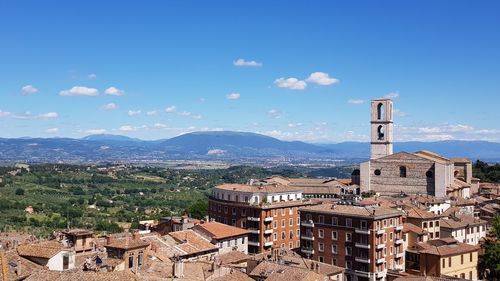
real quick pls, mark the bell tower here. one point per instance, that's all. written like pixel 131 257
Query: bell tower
pixel 382 128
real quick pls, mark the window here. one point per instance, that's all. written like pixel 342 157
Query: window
pixel 348 251
pixel 348 222
pixel 233 211
pixel 225 209
pixel 283 235
pixel 283 211
pixel 380 132
pixel 65 262
pixel 283 223
pixel 348 237
pixel 298 221
pixel 437 223
pixel 444 264
pixel 402 171
pixel 334 262
pixel 377 172
pixel 428 174
pixel 243 212
pixel 321 259
pixel 275 224
pixel 431 235
pixel 275 236
pixel 321 219
pixel 424 224
pixel 275 212
pixel 290 221
pixel 470 257
pixel 390 236
pixel 335 221
pixel 290 234
pixel 321 233
pixel 130 261
pixel 431 224
pixel 391 250
pixel 449 261
pixel 321 247
pixel 334 249
pixel 298 232
pixel 348 265
pixel 462 259
pixel 380 111
pixel 246 198
pixel 334 235
pixel 233 222
pixel 437 234
pixel 363 225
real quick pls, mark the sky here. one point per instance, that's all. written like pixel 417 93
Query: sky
pixel 294 70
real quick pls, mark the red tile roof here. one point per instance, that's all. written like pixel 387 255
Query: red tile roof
pixel 221 231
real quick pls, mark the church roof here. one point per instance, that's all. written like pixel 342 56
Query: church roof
pixel 433 157
pixel 402 156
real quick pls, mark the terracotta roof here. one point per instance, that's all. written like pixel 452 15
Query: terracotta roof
pixel 461 222
pixel 409 227
pixel 259 189
pixel 220 231
pixel 233 257
pixel 414 212
pixel 13 262
pixel 355 211
pixel 234 275
pixel 79 232
pixel 46 249
pixel 403 156
pixel 191 242
pixel 47 275
pixel 127 244
pixel 445 247
pixel 277 272
pixel 433 157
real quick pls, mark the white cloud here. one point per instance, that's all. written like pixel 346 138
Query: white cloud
pixel 242 62
pixel 113 91
pixel 110 106
pixel 91 76
pixel 438 137
pixel 160 126
pixel 79 91
pixel 134 112
pixel 233 96
pixel 28 90
pixel 96 131
pixel 294 125
pixel 392 95
pixel 153 113
pixel 171 109
pixel 216 152
pixel 322 79
pixel 356 101
pixel 399 113
pixel 290 83
pixel 189 114
pixel 48 115
pixel 127 128
pixel 274 113
pixel 488 132
pixel 52 130
pixel 4 113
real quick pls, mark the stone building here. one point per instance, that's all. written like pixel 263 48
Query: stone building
pixel 422 172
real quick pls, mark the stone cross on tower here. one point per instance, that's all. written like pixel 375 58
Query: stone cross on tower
pixel 382 128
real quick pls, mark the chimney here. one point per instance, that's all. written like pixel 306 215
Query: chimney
pixel 109 239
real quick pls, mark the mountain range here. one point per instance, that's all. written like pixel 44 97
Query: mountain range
pixel 221 145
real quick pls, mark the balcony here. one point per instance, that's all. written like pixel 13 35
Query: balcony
pixel 268 243
pixel 363 260
pixel 307 237
pixel 254 230
pixel 268 219
pixel 307 251
pixel 399 227
pixel 308 223
pixel 400 255
pixel 399 267
pixel 380 231
pixel 362 273
pixel 253 243
pixel 253 218
pixel 399 241
pixel 362 231
pixel 268 231
pixel 380 246
pixel 381 274
pixel 380 260
pixel 362 245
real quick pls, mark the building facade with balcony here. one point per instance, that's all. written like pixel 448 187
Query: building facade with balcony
pixel 367 241
pixel 268 212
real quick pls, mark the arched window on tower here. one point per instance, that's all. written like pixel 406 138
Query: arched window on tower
pixel 380 111
pixel 380 132
pixel 402 171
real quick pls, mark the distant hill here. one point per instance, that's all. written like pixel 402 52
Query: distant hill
pixel 225 145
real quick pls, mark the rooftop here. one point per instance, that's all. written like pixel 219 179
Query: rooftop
pixel 190 242
pixel 220 231
pixel 409 227
pixel 127 244
pixel 82 275
pixel 445 247
pixel 433 156
pixel 46 249
pixel 275 188
pixel 354 211
pixel 79 232
pixel 461 222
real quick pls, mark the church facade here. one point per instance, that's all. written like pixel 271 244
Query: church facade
pixel 422 172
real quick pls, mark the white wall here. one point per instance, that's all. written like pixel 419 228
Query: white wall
pixel 226 246
pixel 56 262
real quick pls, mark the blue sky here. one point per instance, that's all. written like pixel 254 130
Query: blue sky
pixel 296 70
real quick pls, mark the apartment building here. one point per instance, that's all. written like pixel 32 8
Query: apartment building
pixel 366 240
pixel 428 221
pixel 269 212
pixel 445 256
pixel 465 229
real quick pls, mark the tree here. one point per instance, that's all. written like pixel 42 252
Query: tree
pixel 489 265
pixel 199 209
pixel 20 191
